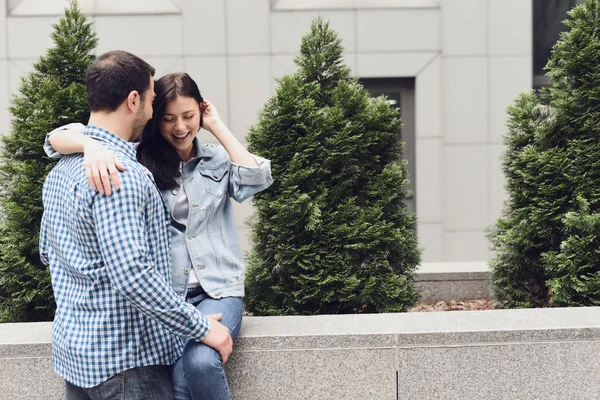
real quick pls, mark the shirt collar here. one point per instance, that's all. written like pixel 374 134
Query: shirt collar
pixel 111 139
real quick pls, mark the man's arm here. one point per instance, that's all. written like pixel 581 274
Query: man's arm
pixel 122 235
pixel 121 232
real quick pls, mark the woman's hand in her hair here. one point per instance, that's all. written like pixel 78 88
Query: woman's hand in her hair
pixel 210 116
pixel 212 123
pixel 101 167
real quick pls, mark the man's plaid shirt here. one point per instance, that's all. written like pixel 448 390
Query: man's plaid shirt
pixel 111 273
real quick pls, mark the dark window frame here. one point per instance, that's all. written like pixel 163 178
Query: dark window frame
pixel 404 88
pixel 546 27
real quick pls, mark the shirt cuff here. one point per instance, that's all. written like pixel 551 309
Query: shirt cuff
pixel 203 329
pixel 255 175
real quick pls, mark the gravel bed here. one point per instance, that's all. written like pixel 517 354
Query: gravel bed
pixel 454 305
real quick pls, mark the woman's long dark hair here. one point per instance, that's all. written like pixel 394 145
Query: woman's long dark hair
pixel 154 152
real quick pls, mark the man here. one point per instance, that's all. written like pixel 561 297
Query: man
pixel 109 256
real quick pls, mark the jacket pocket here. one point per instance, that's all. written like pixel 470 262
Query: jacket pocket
pixel 215 182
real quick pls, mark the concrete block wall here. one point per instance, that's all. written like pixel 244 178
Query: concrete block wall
pixel 454 281
pixel 469 58
pixel 491 355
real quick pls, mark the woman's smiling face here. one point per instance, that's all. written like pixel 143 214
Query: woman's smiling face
pixel 180 124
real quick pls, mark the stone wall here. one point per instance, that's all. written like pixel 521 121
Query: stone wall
pixel 499 354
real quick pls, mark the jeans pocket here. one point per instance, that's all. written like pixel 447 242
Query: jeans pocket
pixel 157 383
pixel 112 388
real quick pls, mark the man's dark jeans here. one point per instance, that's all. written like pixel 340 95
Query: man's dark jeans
pixel 142 383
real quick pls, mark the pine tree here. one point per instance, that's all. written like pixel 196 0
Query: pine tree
pixel 332 234
pixel 547 240
pixel 52 95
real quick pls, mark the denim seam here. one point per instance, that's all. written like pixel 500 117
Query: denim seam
pixel 147 383
pixel 122 385
pixel 239 321
pixel 225 380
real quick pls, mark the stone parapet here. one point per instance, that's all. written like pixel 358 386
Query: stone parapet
pixel 498 354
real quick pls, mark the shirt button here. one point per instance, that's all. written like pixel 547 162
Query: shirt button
pixel 186 271
pixel 191 237
pixel 215 174
pixel 174 191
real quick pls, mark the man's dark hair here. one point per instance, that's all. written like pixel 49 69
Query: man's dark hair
pixel 113 76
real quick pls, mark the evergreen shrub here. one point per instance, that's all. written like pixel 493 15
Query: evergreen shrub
pixel 332 234
pixel 50 96
pixel 547 240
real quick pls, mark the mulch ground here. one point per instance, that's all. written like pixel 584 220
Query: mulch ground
pixel 453 305
pixel 446 305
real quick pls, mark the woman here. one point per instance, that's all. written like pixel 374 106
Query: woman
pixel 196 181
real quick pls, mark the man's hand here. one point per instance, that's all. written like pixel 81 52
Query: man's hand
pixel 101 166
pixel 218 337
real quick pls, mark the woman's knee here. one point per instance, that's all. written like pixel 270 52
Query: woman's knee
pixel 200 360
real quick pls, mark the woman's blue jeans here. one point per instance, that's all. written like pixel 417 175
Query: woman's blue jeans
pixel 199 373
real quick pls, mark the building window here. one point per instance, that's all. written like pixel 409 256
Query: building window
pixel 548 17
pixel 29 8
pixel 400 93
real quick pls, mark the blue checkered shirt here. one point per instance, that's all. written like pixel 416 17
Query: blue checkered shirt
pixel 111 274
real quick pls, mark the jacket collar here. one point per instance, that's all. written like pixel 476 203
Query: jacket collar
pixel 204 150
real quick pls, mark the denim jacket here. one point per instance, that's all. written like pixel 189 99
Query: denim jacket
pixel 209 247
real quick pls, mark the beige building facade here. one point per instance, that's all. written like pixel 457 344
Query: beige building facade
pixel 459 63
